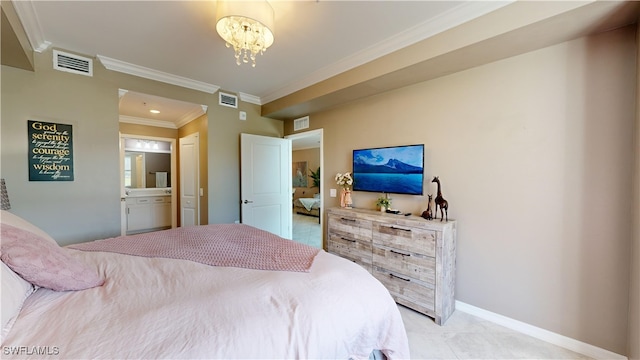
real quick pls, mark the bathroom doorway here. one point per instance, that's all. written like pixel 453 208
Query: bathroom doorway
pixel 149 127
pixel 148 177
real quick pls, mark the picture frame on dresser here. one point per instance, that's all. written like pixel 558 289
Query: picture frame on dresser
pixel 414 258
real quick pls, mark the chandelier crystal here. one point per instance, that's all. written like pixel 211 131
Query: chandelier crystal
pixel 247 26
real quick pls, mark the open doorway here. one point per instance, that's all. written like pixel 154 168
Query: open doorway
pixel 150 126
pixel 306 170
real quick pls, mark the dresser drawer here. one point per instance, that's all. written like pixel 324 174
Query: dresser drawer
pixel 359 229
pixel 345 246
pixel 415 266
pixel 407 291
pixel 415 240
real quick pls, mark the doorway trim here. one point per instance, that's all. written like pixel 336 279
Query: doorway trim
pixel 306 134
pixel 174 179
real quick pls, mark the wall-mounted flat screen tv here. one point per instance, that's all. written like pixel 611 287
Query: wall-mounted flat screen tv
pixel 397 169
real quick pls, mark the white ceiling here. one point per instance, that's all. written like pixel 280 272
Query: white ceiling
pixel 179 37
pixel 136 108
pixel 314 40
pixel 309 141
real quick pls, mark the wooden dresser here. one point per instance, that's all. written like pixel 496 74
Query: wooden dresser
pixel 413 257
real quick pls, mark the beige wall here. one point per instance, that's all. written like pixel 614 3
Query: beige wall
pixel 634 286
pixel 88 207
pixel 91 203
pixel 535 154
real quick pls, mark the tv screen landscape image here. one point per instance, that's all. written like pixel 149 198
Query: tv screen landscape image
pixel 397 169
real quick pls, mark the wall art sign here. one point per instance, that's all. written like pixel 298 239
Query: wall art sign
pixel 50 151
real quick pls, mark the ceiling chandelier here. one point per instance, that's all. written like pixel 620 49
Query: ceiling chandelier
pixel 247 26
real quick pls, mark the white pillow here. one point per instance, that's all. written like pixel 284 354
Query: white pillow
pixel 13 292
pixel 16 221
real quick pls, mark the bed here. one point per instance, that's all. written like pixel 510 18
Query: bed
pixel 162 295
pixel 307 206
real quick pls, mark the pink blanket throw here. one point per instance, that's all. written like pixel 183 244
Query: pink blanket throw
pixel 233 245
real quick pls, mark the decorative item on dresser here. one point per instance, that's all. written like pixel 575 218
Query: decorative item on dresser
pixel 345 181
pixel 428 214
pixel 384 202
pixel 441 202
pixel 414 258
pixel 348 201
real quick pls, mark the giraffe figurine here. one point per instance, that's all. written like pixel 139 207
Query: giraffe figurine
pixel 428 214
pixel 441 202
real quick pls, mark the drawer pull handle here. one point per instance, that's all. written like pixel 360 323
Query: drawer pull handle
pixel 350 240
pixel 400 253
pixel 345 219
pixel 399 277
pixel 397 228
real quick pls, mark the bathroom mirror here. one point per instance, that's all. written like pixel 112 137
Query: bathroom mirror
pixel 147 164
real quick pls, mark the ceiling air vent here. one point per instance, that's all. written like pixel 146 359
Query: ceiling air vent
pixel 72 63
pixel 228 100
pixel 301 123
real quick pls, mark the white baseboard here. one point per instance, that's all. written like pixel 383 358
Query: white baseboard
pixel 542 334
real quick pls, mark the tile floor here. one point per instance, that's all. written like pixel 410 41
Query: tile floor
pixel 306 230
pixel 465 336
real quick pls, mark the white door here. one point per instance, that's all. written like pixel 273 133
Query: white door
pixel 265 166
pixel 189 181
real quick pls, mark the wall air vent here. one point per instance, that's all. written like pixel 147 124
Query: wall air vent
pixel 301 123
pixel 228 100
pixel 72 63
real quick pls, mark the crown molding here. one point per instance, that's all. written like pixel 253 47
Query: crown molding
pixel 147 122
pixel 465 12
pixel 191 115
pixel 31 25
pixel 147 73
pixel 250 98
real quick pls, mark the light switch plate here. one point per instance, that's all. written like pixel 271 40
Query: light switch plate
pixel 332 192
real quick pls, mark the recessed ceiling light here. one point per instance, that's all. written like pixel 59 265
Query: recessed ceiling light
pixel 154 111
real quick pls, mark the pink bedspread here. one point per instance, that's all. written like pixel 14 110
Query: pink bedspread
pixel 156 308
pixel 233 245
